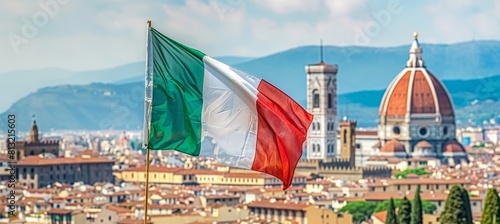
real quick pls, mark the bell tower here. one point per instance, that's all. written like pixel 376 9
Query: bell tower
pixel 348 141
pixel 322 104
pixel 34 131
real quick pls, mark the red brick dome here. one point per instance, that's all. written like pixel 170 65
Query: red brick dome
pixel 415 90
pixel 453 146
pixel 393 146
pixel 423 144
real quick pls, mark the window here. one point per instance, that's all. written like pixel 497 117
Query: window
pixel 319 127
pixel 344 137
pixel 330 100
pixel 396 130
pixel 314 148
pixel 315 99
pixel 314 126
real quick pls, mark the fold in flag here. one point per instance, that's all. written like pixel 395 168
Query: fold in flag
pixel 203 107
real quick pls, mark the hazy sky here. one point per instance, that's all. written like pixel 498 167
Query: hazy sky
pixel 92 34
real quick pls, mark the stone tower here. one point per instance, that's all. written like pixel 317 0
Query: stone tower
pixel 34 132
pixel 348 141
pixel 322 103
pixel 34 145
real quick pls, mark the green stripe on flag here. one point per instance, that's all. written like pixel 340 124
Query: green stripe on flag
pixel 177 96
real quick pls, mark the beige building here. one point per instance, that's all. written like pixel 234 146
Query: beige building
pixel 295 212
pixel 59 215
pixel 380 217
pixel 438 199
pixel 38 172
pixel 179 176
pixel 411 183
pixel 212 214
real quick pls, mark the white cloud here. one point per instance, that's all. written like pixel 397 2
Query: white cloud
pixel 340 8
pixel 289 6
pixel 98 34
pixel 457 21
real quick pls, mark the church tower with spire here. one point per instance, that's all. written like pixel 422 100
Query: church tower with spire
pixel 34 145
pixel 322 103
pixel 34 132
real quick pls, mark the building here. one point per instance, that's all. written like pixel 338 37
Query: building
pixel 39 171
pixel 295 212
pixel 322 103
pixel 180 176
pixel 417 118
pixel 36 146
pixel 345 166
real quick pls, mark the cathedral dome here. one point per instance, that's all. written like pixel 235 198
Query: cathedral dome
pixel 415 90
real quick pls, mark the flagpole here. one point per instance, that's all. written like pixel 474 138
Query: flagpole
pixel 147 114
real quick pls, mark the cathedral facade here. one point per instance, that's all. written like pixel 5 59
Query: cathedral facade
pixel 416 117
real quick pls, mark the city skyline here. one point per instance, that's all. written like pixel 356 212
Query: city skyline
pixel 66 36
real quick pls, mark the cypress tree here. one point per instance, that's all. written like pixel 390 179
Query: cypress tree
pixel 468 211
pixel 404 212
pixel 391 213
pixel 416 211
pixel 454 209
pixel 491 212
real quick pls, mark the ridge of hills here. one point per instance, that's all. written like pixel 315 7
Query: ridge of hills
pixel 112 98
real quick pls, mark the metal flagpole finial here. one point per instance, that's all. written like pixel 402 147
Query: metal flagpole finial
pixel 149 23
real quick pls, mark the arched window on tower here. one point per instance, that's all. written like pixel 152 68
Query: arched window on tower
pixel 319 127
pixel 330 100
pixel 319 147
pixel 344 136
pixel 315 98
pixel 314 126
pixel 314 148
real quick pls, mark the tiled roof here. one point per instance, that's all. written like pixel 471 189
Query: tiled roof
pixel 38 161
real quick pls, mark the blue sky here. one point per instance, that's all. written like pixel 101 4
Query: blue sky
pixel 92 34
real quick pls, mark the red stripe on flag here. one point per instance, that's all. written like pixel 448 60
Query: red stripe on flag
pixel 282 130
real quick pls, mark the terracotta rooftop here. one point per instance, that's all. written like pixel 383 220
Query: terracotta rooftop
pixel 118 209
pixel 279 205
pixel 393 146
pixel 39 161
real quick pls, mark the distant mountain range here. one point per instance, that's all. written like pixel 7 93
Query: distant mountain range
pixel 364 72
pixel 120 106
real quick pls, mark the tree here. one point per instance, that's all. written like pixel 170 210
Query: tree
pixel 360 210
pixel 491 212
pixel 427 207
pixel 418 171
pixel 455 211
pixel 404 212
pixel 467 208
pixel 391 213
pixel 416 211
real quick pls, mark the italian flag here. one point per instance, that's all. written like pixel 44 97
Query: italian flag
pixel 202 107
